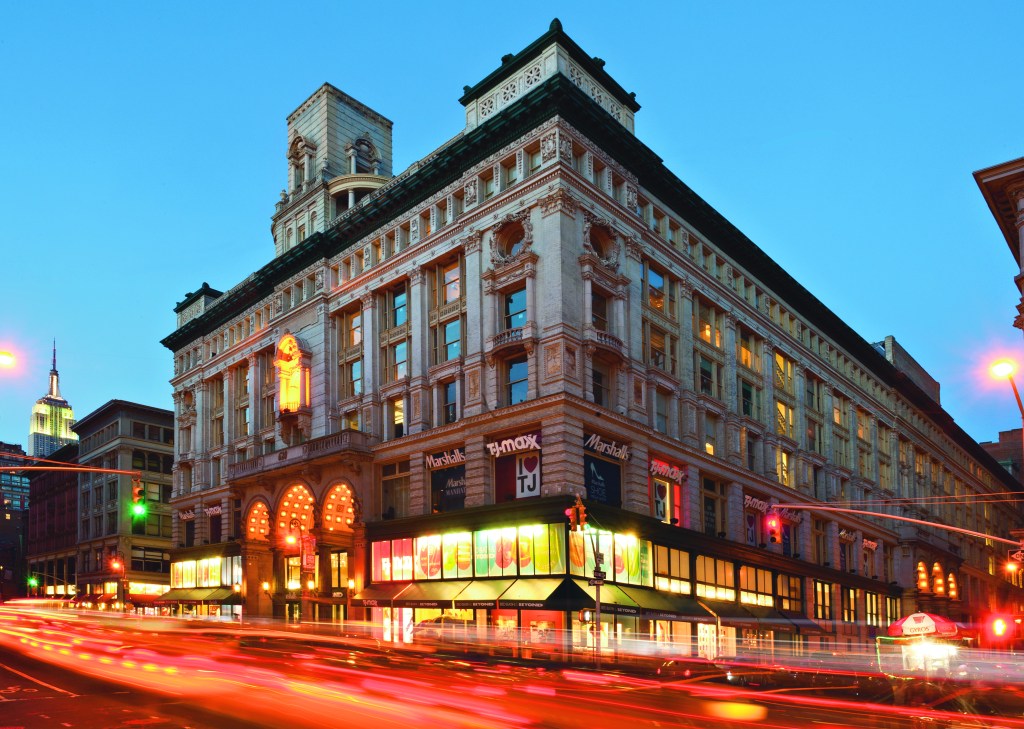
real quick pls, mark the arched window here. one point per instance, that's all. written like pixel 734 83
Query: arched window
pixel 338 508
pixel 938 580
pixel 601 241
pixel 922 577
pixel 296 511
pixel 952 590
pixel 258 523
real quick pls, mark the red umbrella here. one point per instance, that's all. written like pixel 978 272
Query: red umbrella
pixel 922 624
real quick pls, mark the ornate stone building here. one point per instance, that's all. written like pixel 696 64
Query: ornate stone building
pixel 393 415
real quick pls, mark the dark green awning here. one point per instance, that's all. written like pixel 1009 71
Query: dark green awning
pixel 482 593
pixel 667 606
pixel 430 594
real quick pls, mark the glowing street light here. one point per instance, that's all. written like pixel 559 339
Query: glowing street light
pixel 1003 369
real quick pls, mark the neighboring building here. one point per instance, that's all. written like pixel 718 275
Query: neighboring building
pixel 124 436
pixel 1008 450
pixel 14 490
pixel 1003 189
pixel 52 423
pixel 13 579
pixel 408 397
pixel 51 544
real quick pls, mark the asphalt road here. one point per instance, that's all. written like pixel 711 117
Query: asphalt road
pixel 38 695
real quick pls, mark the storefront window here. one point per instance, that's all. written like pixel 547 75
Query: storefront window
pixel 672 570
pixel 716 579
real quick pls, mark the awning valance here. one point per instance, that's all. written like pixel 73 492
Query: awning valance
pixel 482 593
pixel 382 595
pixel 431 594
pixel 198 595
pixel 731 614
pixel 664 606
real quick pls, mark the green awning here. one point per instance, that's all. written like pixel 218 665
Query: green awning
pixel 535 594
pixel 658 605
pixel 731 614
pixel 613 599
pixel 431 594
pixel 382 595
pixel 482 593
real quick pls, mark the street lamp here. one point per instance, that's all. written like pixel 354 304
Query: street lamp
pixel 1003 369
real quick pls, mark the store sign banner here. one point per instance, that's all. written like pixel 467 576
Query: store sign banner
pixel 672 473
pixel 454 457
pixel 527 475
pixel 527 442
pixel 612 449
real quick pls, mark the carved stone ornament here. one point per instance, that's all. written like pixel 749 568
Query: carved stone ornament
pixel 498 257
pixel 474 385
pixel 631 197
pixel 471 192
pixel 634 247
pixel 472 242
pixel 318 280
pixel 591 221
pixel 559 201
pixel 552 360
pixel 548 144
pixel 279 302
pixel 565 148
pixel 414 229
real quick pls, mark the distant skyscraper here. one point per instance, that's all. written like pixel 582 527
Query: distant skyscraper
pixel 52 418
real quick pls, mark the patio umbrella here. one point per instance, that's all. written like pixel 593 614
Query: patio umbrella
pixel 922 624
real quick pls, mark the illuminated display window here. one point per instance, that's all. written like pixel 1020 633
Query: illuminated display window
pixel 716 579
pixel 537 549
pixel 296 504
pixel 672 570
pixel 338 509
pixel 756 586
pixel 293 375
pixel 258 526
pixel 627 559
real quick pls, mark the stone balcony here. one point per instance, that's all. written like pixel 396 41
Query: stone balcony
pixel 353 444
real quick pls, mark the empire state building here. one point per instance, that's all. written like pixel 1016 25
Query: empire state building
pixel 52 418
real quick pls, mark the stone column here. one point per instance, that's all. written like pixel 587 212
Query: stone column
pixel 416 416
pixel 372 422
pixel 479 326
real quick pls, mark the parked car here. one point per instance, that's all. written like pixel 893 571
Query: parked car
pixel 690 668
pixel 442 627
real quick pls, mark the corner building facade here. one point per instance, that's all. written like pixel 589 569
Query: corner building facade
pixel 394 414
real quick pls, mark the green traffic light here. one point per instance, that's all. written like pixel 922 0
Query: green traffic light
pixel 33 582
pixel 138 509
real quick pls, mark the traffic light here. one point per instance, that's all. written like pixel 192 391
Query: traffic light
pixel 571 513
pixel 999 627
pixel 138 498
pixel 772 524
pixel 585 615
pixel 115 563
pixel 33 581
pixel 581 515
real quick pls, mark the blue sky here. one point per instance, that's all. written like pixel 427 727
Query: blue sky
pixel 142 150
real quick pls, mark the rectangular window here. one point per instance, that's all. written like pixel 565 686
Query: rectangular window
pixel 872 614
pixel 709 323
pixel 450 403
pixel 241 387
pixel 394 488
pixel 517 384
pixel 396 311
pixel 599 311
pixel 750 400
pixel 791 593
pixel 716 579
pixel 784 467
pixel 812 394
pixel 601 380
pixel 784 367
pixel 784 419
pixel 849 604
pixel 749 349
pixel 515 309
pixel 450 347
pixel 713 506
pixel 655 290
pixel 822 600
pixel 756 586
pixel 672 570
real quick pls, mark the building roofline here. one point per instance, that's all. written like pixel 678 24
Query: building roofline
pixel 512 63
pixel 112 405
pixel 994 183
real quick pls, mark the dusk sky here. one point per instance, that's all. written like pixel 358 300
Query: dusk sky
pixel 142 149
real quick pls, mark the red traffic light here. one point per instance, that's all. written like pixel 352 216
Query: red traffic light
pixel 571 513
pixel 582 515
pixel 115 564
pixel 772 524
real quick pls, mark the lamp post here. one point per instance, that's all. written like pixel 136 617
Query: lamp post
pixel 1003 369
pixel 294 525
pixel 117 564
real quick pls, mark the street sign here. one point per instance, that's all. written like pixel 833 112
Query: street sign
pixel 599 574
pixel 593 583
pixel 1018 555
